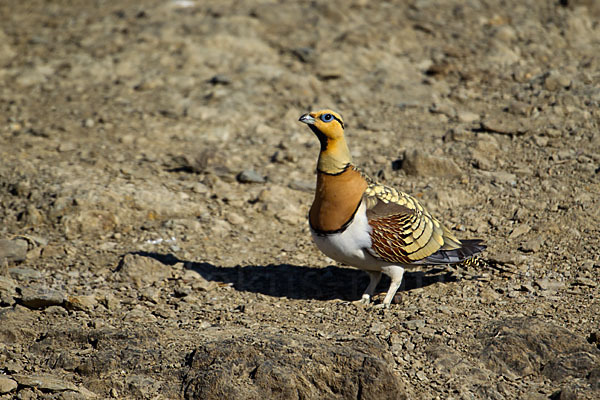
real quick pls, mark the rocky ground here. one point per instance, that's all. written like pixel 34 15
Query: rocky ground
pixel 154 184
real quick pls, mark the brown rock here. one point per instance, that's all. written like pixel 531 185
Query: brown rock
pixel 528 346
pixel 417 162
pixel 44 382
pixel 41 297
pixel 13 250
pixel 143 270
pixel 505 124
pixel 284 367
pixel 7 385
pixel 81 303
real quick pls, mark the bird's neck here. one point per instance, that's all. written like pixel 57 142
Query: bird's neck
pixel 334 157
pixel 337 198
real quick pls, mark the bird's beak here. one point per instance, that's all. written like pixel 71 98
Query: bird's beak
pixel 307 119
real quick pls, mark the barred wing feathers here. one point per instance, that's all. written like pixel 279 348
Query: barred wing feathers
pixel 404 232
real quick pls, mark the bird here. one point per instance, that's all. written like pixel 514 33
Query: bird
pixel 376 228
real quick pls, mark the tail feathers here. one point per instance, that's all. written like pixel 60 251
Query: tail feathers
pixel 468 249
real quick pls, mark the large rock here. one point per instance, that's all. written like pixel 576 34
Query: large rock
pixel 284 367
pixel 528 346
pixel 143 270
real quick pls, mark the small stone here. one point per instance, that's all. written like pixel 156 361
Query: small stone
pixel 44 382
pixel 250 176
pixel 489 295
pixel 417 162
pixel 56 311
pixel 505 34
pixel 564 394
pixel 8 291
pixel 547 284
pixel 520 108
pixel 143 270
pixel 331 72
pixel 197 281
pixel 532 245
pixel 7 385
pixel 583 281
pixel 81 303
pixel 502 124
pixel 518 231
pixel 13 250
pixel 41 297
pixel 501 177
pixel 151 294
pixel 467 116
pixel 482 160
pixel 555 80
pixel 414 324
pixel 443 108
pixel 24 273
pixel 235 219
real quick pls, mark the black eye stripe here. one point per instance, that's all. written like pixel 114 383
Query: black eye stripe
pixel 338 120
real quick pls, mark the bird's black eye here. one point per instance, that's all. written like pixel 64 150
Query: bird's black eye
pixel 326 117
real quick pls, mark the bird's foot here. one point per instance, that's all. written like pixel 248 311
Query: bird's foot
pixel 382 306
pixel 365 300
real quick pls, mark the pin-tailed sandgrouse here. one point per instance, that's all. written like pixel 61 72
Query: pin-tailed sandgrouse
pixel 370 226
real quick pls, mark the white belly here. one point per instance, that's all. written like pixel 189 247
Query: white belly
pixel 351 246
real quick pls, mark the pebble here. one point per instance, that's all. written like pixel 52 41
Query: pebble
pixel 235 219
pixel 7 385
pixel 24 273
pixel 583 281
pixel 14 250
pixel 197 281
pixel 467 117
pixel 547 284
pixel 501 177
pixel 505 125
pixel 250 176
pixel 143 270
pixel 7 290
pixel 81 303
pixel 555 80
pixel 41 297
pixel 520 108
pixel 532 245
pixel 519 230
pixel 419 163
pixel 44 382
pixel 414 324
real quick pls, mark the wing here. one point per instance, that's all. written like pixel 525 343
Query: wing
pixel 404 232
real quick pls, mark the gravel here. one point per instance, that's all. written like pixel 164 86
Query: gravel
pixel 155 182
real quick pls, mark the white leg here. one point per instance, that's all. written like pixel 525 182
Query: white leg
pixel 395 273
pixel 375 278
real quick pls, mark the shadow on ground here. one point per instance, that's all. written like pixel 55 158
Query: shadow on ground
pixel 301 282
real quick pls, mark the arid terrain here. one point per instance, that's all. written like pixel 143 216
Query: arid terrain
pixel 155 182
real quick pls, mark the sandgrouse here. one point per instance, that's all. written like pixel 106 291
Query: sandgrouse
pixel 370 226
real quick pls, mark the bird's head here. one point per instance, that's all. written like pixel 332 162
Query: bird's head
pixel 328 126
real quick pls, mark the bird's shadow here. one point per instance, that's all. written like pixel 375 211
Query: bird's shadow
pixel 301 282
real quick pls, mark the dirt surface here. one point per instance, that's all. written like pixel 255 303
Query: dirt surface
pixel 154 186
